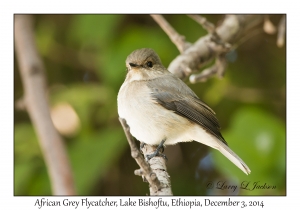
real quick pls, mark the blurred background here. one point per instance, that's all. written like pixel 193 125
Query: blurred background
pixel 84 56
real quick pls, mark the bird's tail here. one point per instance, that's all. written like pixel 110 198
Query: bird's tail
pixel 203 137
pixel 234 158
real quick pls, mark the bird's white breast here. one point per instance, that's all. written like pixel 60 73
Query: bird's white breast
pixel 149 122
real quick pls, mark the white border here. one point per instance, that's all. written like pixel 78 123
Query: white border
pixel 8 8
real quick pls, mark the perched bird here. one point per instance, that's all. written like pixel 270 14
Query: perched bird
pixel 161 109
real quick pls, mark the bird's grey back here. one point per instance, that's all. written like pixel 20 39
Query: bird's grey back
pixel 173 94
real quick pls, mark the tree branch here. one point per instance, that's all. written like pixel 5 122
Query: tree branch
pixel 34 81
pixel 155 172
pixel 218 68
pixel 281 32
pixel 208 26
pixel 213 44
pixel 175 37
pixel 269 28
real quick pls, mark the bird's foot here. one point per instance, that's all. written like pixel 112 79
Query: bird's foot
pixel 142 146
pixel 157 152
pixel 148 157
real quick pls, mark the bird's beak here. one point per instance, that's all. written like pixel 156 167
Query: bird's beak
pixel 133 64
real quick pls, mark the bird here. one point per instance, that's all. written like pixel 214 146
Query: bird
pixel 161 109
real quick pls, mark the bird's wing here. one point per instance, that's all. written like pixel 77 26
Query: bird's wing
pixel 175 95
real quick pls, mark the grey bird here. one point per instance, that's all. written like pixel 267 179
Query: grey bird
pixel 161 109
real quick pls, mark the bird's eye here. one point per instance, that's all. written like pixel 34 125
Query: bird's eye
pixel 149 64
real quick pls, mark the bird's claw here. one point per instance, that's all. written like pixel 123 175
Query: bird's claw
pixel 148 157
pixel 157 152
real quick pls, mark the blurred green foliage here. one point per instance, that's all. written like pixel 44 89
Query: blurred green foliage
pixel 85 57
pixel 260 146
